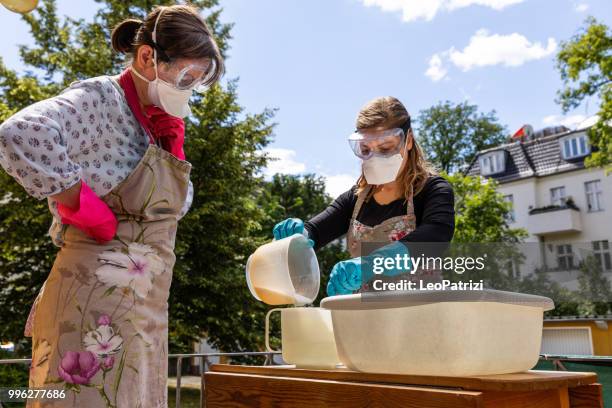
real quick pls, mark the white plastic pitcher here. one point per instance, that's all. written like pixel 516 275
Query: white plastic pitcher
pixel 307 337
pixel 284 272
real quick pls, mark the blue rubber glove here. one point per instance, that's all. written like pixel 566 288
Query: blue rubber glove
pixel 289 227
pixel 346 276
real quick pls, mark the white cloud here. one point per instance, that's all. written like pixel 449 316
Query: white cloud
pixel 485 49
pixel 571 121
pixel 436 70
pixel 282 161
pixel 427 9
pixel 581 8
pixel 511 50
pixel 339 183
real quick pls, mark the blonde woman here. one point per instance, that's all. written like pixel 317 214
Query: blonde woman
pixel 398 198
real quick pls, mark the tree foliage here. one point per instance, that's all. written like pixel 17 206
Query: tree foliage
pixel 481 213
pixel 451 134
pixel 585 64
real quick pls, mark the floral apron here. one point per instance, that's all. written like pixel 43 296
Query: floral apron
pixel 392 229
pixel 100 322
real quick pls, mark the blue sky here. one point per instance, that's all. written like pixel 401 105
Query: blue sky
pixel 319 61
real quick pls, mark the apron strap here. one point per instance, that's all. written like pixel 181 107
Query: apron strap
pixel 360 199
pixel 410 200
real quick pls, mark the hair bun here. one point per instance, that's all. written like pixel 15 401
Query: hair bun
pixel 123 35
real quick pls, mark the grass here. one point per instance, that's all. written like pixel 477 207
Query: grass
pixel 190 398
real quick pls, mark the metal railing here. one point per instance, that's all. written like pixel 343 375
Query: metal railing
pixel 204 362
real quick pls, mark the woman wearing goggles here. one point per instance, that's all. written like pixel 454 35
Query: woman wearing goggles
pixel 108 155
pixel 398 199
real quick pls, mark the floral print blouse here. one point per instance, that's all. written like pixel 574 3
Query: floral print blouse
pixel 86 132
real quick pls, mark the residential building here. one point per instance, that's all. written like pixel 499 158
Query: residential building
pixel 561 203
pixel 567 210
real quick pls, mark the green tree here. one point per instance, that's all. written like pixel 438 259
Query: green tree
pixel 594 288
pixel 481 213
pixel 209 294
pixel 451 134
pixel 482 230
pixel 567 303
pixel 585 64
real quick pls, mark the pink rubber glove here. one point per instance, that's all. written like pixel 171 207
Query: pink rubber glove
pixel 93 216
pixel 169 128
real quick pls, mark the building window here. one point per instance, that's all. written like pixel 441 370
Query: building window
pixel 575 146
pixel 493 163
pixel 601 251
pixel 557 196
pixel 565 257
pixel 511 216
pixel 594 195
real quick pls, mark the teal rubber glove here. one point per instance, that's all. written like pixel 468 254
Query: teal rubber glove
pixel 347 276
pixel 289 227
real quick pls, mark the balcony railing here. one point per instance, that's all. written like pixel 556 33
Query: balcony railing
pixel 555 219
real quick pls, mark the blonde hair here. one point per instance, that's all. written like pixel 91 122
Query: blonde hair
pixel 388 112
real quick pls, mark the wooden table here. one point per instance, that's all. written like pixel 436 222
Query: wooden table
pixel 285 386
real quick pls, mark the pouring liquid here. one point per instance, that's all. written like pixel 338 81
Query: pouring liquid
pixel 272 297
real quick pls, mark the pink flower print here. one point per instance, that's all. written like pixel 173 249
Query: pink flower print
pixel 78 367
pixel 104 319
pixel 108 362
pixel 134 269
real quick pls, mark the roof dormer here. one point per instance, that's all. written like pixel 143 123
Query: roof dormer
pixel 574 146
pixel 492 163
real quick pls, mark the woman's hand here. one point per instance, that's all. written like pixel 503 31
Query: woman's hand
pixel 345 277
pixel 348 276
pixel 91 215
pixel 70 197
pixel 288 227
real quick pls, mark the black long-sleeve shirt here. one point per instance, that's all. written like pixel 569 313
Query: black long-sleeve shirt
pixel 433 208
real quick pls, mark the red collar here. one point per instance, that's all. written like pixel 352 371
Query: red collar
pixel 129 88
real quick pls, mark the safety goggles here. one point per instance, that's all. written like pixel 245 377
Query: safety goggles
pixel 384 143
pixel 194 77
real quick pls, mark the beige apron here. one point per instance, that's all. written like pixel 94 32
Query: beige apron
pixel 100 327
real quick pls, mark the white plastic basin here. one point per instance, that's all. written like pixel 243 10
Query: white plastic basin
pixel 440 333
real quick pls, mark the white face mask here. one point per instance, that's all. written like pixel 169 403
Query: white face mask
pixel 381 170
pixel 160 93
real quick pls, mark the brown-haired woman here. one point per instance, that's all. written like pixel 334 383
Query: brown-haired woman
pixel 398 199
pixel 107 153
